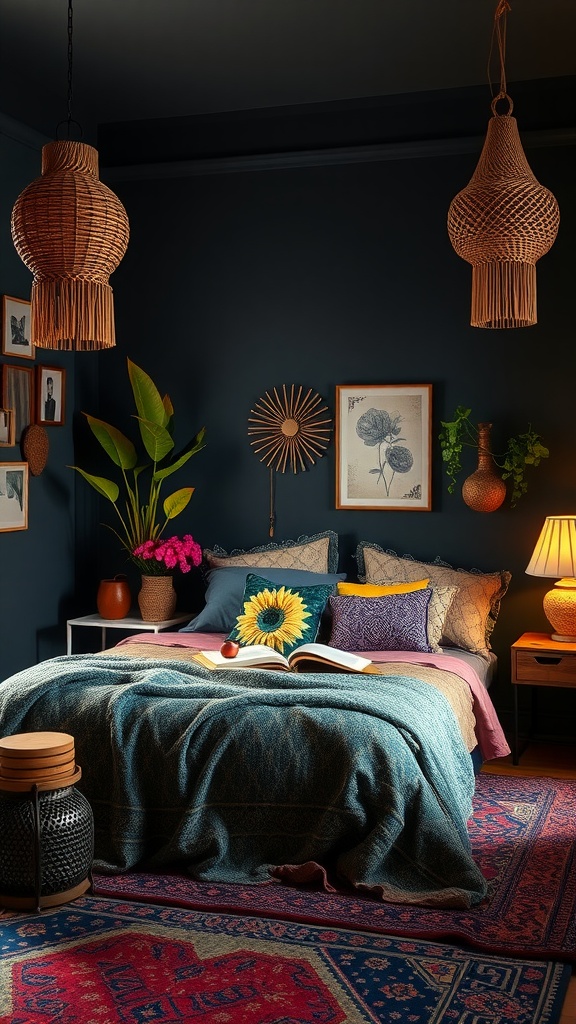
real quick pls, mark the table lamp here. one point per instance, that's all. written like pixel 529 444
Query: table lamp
pixel 554 556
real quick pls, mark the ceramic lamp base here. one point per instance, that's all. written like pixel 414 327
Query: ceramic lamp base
pixel 560 610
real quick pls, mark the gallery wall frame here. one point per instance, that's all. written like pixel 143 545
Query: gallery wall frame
pixel 13 496
pixel 7 428
pixel 50 395
pixel 16 328
pixel 18 395
pixel 384 447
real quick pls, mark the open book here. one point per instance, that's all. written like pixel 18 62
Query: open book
pixel 306 658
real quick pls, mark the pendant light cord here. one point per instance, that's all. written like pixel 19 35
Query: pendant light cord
pixel 499 40
pixel 70 120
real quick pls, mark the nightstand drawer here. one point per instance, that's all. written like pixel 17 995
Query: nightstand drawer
pixel 559 669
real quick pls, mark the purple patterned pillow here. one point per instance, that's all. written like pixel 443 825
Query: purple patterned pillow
pixel 396 622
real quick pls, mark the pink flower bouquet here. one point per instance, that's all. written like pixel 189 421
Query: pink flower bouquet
pixel 163 557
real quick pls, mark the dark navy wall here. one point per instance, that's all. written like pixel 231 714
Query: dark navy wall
pixel 336 273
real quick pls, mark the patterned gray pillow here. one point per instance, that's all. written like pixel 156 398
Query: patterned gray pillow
pixel 397 622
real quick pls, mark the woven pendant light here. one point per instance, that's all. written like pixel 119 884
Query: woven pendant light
pixel 504 220
pixel 71 231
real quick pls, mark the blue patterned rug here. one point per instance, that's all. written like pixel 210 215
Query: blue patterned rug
pixel 101 960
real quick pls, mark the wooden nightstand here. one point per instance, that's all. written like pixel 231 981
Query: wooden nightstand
pixel 537 660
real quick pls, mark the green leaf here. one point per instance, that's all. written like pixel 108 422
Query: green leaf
pixel 116 445
pixel 194 446
pixel 175 503
pixel 156 439
pixel 149 403
pixel 106 488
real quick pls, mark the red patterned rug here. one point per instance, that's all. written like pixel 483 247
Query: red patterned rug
pixel 523 838
pixel 99 960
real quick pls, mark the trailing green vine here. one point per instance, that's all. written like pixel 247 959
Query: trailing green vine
pixel 524 450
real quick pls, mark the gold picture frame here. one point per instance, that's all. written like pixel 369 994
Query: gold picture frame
pixel 16 328
pixel 13 496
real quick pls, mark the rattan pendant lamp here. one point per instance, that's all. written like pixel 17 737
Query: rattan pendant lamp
pixel 71 231
pixel 504 220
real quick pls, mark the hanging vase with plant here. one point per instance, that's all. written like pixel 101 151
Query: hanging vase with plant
pixel 481 491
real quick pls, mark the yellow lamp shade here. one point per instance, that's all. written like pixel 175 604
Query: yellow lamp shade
pixel 554 556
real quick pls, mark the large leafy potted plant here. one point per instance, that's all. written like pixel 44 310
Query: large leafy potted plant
pixel 142 518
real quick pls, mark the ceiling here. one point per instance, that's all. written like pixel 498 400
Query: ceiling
pixel 139 59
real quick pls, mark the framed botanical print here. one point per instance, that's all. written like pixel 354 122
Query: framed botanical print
pixel 384 446
pixel 16 324
pixel 18 395
pixel 7 428
pixel 13 496
pixel 51 395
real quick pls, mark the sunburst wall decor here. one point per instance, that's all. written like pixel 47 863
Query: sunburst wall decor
pixel 290 430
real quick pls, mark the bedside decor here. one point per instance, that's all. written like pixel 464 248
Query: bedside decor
pixel 291 430
pixel 480 490
pixel 138 514
pixel 114 599
pixel 157 561
pixel 555 556
pixel 504 220
pixel 72 232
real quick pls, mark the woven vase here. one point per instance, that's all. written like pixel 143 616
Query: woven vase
pixel 157 598
pixel 484 490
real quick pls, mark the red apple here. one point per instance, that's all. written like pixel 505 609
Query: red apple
pixel 229 649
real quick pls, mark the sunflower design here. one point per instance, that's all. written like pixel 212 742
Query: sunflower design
pixel 276 618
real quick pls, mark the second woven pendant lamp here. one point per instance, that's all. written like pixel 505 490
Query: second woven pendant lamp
pixel 71 231
pixel 504 220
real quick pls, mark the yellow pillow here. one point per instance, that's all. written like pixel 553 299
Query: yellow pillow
pixel 372 590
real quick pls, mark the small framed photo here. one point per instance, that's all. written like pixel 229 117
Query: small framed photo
pixel 7 431
pixel 13 496
pixel 51 395
pixel 16 328
pixel 384 446
pixel 18 395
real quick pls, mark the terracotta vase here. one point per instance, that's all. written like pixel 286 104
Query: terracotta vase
pixel 114 598
pixel 484 490
pixel 157 598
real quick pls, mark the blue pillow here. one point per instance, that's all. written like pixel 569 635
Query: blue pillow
pixel 279 615
pixel 225 593
pixel 396 622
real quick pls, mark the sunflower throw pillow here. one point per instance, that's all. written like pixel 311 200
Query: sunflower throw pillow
pixel 280 616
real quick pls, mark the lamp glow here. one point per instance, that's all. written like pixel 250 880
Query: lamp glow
pixel 555 556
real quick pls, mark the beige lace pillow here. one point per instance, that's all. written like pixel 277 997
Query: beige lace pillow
pixel 313 554
pixel 473 611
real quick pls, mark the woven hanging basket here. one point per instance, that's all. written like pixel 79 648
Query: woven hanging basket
pixel 502 223
pixel 71 231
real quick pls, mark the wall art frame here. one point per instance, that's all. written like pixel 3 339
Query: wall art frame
pixel 13 496
pixel 18 395
pixel 7 428
pixel 16 328
pixel 384 447
pixel 50 395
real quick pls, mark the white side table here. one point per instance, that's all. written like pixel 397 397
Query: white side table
pixel 131 624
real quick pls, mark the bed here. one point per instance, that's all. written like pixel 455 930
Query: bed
pixel 258 775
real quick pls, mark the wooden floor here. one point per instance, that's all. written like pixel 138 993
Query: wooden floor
pixel 556 761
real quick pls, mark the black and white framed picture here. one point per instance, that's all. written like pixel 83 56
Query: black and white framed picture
pixel 383 446
pixel 7 428
pixel 16 324
pixel 50 395
pixel 18 395
pixel 13 496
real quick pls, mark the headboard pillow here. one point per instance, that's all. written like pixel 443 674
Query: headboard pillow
pixel 396 622
pixel 280 616
pixel 225 593
pixel 318 553
pixel 440 601
pixel 472 613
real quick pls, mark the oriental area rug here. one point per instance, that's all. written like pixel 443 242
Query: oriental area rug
pixel 102 960
pixel 523 839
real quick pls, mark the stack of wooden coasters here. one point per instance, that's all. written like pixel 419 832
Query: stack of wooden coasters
pixel 45 758
pixel 46 825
